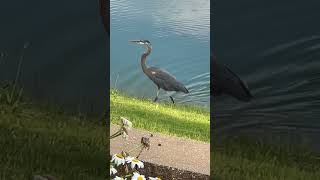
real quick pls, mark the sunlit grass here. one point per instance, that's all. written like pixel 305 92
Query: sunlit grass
pixel 231 159
pixel 34 141
pixel 178 120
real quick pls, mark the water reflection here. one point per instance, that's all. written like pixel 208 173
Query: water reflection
pixel 285 84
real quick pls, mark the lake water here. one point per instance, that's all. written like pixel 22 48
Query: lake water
pixel 179 32
pixel 272 45
pixel 275 47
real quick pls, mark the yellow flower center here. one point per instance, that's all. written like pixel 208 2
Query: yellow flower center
pixel 119 156
pixel 140 178
pixel 135 160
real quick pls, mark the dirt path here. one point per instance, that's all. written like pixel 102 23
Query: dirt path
pixel 166 150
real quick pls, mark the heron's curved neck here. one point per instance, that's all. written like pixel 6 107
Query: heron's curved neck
pixel 144 58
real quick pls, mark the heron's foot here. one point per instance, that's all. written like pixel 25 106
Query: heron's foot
pixel 155 99
pixel 171 99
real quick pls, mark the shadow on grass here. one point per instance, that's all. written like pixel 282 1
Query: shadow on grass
pixel 245 158
pixel 38 142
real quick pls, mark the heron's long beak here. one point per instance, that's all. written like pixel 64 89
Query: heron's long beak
pixel 134 41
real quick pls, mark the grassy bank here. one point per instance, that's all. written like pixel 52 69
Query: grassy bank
pixel 173 119
pixel 231 159
pixel 248 159
pixel 36 141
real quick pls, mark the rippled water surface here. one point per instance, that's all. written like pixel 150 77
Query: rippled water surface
pixel 179 33
pixel 275 48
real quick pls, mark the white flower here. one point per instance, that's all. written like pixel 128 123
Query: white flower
pixel 154 178
pixel 112 170
pixel 126 123
pixel 118 159
pixel 137 176
pixel 119 178
pixel 134 161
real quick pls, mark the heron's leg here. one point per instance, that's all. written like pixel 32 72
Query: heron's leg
pixel 155 99
pixel 171 99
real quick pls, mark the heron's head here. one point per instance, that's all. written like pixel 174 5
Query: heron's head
pixel 146 43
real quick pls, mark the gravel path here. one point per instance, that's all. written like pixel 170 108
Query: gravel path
pixel 167 150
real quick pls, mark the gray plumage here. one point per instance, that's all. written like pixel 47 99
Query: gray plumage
pixel 161 78
pixel 166 81
pixel 227 82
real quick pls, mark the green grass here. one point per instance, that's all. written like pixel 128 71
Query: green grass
pixel 231 159
pixel 178 120
pixel 36 141
pixel 248 159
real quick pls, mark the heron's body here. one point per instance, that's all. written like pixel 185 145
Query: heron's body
pixel 161 78
pixel 166 81
pixel 227 82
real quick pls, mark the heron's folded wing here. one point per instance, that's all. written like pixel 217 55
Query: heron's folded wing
pixel 161 73
pixel 228 82
pixel 165 80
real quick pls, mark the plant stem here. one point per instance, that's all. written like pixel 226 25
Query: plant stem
pixel 18 72
pixel 135 148
pixel 116 134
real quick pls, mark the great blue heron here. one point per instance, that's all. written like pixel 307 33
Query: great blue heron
pixel 161 78
pixel 227 82
pixel 224 80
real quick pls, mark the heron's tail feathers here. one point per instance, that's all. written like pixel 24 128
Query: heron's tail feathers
pixel 186 90
pixel 178 87
pixel 182 88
